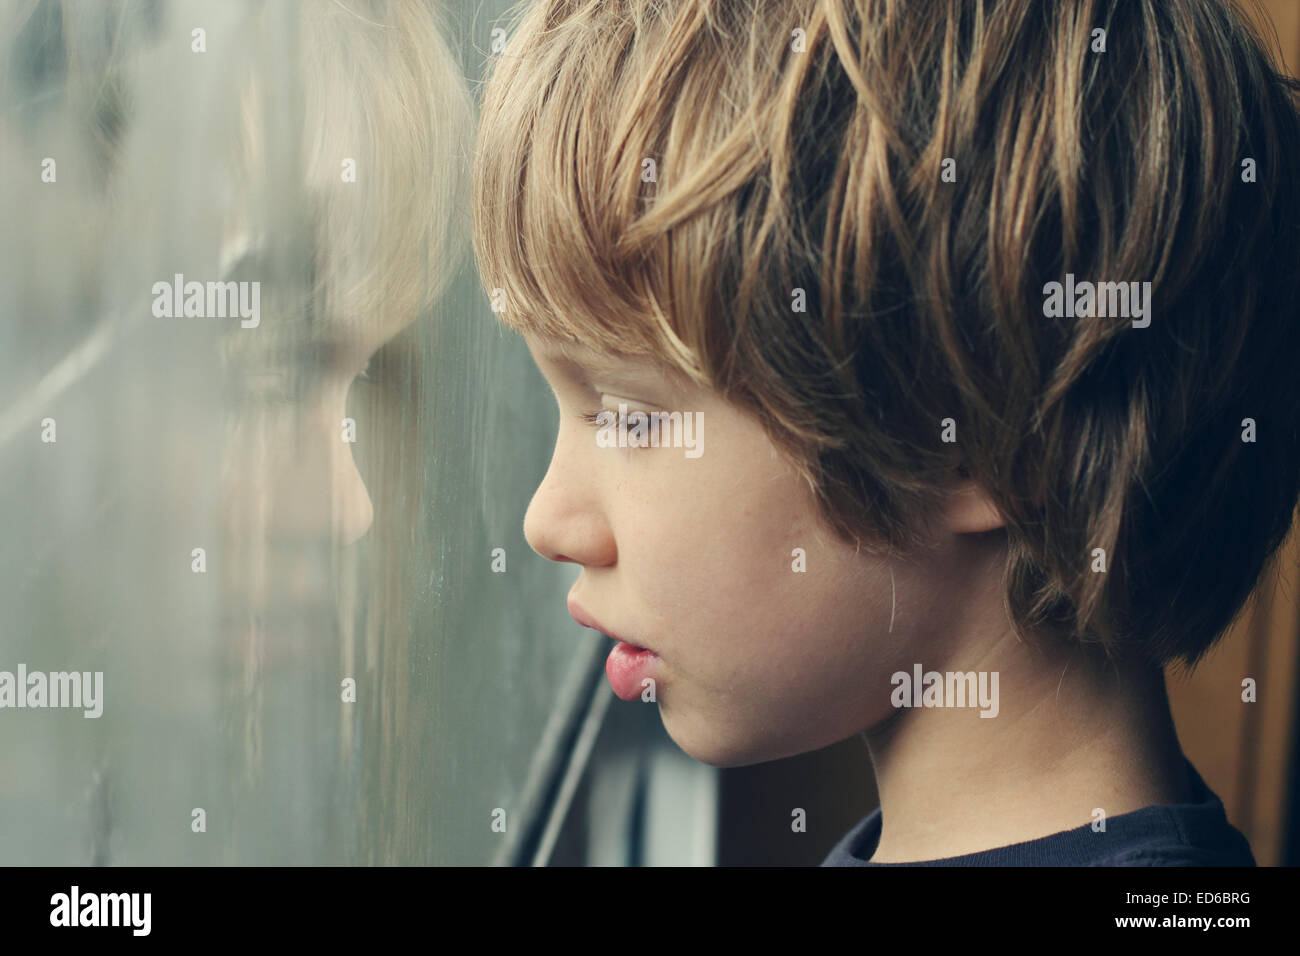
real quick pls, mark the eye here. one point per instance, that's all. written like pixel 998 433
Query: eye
pixel 601 418
pixel 608 418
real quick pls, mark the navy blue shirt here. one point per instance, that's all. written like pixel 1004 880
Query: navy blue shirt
pixel 1196 833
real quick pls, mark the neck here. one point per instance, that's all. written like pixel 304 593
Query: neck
pixel 1073 733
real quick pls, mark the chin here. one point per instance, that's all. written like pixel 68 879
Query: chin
pixel 708 747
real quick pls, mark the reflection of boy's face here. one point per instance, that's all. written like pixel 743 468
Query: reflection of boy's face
pixel 315 490
pixel 292 465
pixel 692 559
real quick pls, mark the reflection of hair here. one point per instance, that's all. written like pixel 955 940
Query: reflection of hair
pixel 310 86
pixel 385 105
pixel 801 144
pixel 405 118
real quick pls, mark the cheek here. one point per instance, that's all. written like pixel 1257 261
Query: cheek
pixel 784 662
pixel 776 636
pixel 744 578
pixel 701 546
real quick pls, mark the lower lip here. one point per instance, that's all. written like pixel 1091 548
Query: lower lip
pixel 626 667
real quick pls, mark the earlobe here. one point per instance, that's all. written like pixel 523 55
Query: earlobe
pixel 969 510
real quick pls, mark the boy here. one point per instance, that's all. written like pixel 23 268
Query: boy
pixel 990 309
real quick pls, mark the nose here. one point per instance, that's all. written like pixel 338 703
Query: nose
pixel 565 520
pixel 299 478
pixel 353 511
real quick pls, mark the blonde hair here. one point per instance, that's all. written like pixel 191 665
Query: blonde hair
pixel 799 150
pixel 381 92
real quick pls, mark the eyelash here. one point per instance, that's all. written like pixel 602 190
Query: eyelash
pixel 592 418
pixel 617 421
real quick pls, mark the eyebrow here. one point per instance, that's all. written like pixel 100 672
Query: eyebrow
pixel 588 364
pixel 585 360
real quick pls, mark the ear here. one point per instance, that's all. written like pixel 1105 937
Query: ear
pixel 969 510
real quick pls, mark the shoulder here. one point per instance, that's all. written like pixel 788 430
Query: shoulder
pixel 1195 833
pixel 856 846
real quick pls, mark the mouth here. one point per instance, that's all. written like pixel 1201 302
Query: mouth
pixel 586 620
pixel 629 667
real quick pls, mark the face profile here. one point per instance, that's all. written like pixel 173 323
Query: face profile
pixel 770 633
pixel 359 259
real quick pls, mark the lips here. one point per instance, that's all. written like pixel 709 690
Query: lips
pixel 586 620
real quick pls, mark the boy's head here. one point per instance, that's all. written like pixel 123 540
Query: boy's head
pixel 832 227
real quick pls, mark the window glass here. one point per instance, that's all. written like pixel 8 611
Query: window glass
pixel 264 453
